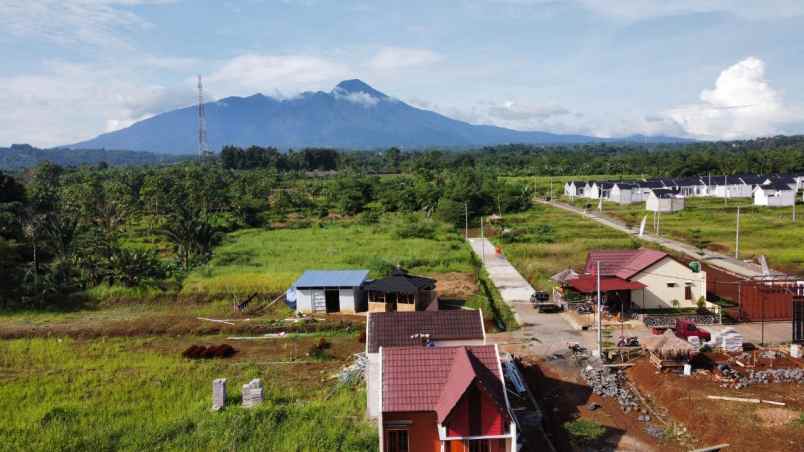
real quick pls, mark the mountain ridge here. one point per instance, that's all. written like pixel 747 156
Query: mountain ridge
pixel 353 115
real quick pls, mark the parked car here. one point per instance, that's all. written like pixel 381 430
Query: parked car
pixel 685 329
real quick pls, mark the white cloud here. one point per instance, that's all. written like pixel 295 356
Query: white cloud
pixel 514 111
pixel 247 74
pixel 66 103
pixel 99 23
pixel 396 58
pixel 640 9
pixel 359 98
pixel 742 104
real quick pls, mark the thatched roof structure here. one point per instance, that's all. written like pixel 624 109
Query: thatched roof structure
pixel 668 345
pixel 564 276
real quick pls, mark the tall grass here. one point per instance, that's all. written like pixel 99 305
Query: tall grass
pixel 767 231
pixel 571 239
pixel 269 261
pixel 115 395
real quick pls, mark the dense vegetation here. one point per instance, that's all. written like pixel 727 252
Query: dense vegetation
pixel 69 230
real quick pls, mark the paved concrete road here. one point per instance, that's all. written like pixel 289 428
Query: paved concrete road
pixel 721 261
pixel 541 334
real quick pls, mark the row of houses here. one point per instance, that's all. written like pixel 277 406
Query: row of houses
pixel 667 195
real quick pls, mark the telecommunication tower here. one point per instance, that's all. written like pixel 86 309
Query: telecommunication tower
pixel 203 146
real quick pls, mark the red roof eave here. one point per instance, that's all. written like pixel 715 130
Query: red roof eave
pixel 588 284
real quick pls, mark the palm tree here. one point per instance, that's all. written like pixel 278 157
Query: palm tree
pixel 191 235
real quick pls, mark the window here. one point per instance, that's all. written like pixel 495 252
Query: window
pixel 478 445
pixel 396 441
pixel 688 293
pixel 671 284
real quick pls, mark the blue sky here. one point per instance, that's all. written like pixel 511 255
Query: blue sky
pixel 708 69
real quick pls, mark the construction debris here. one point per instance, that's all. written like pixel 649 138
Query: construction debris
pixel 253 393
pixel 730 340
pixel 228 322
pixel 607 382
pixel 355 372
pixel 218 394
pixel 736 380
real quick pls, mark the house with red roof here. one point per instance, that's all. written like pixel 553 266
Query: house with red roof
pixel 644 278
pixel 416 328
pixel 438 399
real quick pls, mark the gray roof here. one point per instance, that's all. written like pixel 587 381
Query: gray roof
pixel 331 278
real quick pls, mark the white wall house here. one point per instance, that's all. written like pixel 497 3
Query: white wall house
pixel 574 189
pixel 666 281
pixel 625 193
pixel 326 291
pixel 664 200
pixel 777 194
pixel 730 187
pixel 590 191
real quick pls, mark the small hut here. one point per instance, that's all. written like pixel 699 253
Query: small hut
pixel 401 292
pixel 668 350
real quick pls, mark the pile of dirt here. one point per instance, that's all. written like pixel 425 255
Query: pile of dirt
pixel 209 352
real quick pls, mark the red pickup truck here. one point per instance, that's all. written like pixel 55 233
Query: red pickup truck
pixel 685 328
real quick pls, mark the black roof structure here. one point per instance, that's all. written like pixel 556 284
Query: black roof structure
pixel 401 282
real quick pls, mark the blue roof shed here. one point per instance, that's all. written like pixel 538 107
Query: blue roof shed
pixel 331 278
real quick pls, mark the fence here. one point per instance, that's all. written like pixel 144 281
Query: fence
pixel 758 299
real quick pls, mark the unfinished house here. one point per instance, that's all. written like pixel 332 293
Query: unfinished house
pixel 642 279
pixel 327 291
pixel 574 189
pixel 730 187
pixel 424 329
pixel 401 292
pixel 774 194
pixel 444 399
pixel 664 200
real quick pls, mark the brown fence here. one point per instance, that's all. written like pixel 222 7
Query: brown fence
pixel 756 299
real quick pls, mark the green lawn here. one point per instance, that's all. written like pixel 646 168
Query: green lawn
pixel 269 261
pixel 765 231
pixel 140 394
pixel 552 239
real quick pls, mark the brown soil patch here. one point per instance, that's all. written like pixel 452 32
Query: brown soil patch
pixel 684 399
pixel 212 351
pixel 172 325
pixel 776 417
pixel 564 397
pixel 455 285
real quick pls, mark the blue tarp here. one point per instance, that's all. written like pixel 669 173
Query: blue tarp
pixel 331 278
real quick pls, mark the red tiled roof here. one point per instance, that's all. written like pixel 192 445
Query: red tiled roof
pixel 623 264
pixel 588 284
pixel 418 378
pixel 395 329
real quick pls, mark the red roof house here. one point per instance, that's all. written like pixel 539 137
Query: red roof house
pixel 444 399
pixel 648 278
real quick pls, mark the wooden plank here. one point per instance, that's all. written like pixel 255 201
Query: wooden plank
pixel 733 399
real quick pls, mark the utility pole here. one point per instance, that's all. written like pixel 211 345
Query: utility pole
pixel 737 239
pixel 599 313
pixel 482 242
pixel 551 188
pixel 794 207
pixel 203 146
pixel 466 227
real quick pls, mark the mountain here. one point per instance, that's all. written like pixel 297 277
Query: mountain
pixel 351 116
pixel 21 156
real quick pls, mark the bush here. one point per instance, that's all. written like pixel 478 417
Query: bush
pixel 583 431
pixel 380 266
pixel 415 228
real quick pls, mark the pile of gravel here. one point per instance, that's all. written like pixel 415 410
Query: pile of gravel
pixel 610 383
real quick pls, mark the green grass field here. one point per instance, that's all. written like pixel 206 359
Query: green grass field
pixel 551 239
pixel 140 394
pixel 269 261
pixel 763 230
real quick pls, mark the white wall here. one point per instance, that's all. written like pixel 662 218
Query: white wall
pixel 373 385
pixel 304 302
pixel 655 204
pixel 765 198
pixel 347 297
pixel 656 278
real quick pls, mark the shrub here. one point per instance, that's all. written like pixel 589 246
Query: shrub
pixel 584 431
pixel 415 228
